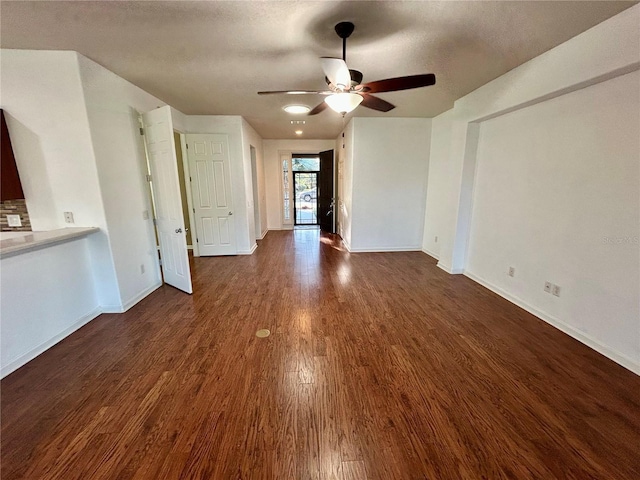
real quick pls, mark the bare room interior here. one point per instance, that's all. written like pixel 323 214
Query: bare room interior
pixel 320 240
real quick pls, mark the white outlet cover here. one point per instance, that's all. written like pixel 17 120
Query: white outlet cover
pixel 68 217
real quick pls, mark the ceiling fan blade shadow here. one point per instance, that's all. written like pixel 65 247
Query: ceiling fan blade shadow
pixel 376 103
pixel 318 108
pixel 336 71
pixel 399 83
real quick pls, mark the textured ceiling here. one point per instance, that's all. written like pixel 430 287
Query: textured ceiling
pixel 212 57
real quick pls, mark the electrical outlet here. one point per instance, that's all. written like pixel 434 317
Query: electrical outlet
pixel 68 217
pixel 436 240
pixel 141 268
pixel 14 221
pixel 547 287
pixel 555 290
pixel 512 272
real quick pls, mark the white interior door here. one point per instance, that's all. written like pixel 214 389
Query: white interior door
pixel 161 152
pixel 210 169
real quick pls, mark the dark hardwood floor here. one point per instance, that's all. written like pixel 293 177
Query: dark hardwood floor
pixel 379 366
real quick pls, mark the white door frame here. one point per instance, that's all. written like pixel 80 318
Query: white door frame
pixel 256 192
pixel 187 187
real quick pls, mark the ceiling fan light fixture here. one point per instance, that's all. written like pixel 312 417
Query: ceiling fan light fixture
pixel 297 109
pixel 343 102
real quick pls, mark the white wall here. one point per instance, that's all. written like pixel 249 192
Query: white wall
pixel 273 171
pixel 435 219
pixel 47 294
pixel 575 76
pixel 389 183
pixel 607 50
pixel 113 106
pixel 232 126
pixel 344 148
pixel 553 182
pixel 46 115
pixel 252 139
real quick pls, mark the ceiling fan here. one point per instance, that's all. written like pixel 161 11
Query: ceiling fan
pixel 346 91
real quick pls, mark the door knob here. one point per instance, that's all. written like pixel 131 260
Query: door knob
pixel 230 213
pixel 178 230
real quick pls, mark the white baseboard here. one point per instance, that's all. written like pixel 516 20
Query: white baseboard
pixel 112 309
pixel 248 252
pixel 431 254
pixel 448 269
pixel 589 341
pixel 385 249
pixel 135 299
pixel 33 353
pixel 278 229
pixel 263 234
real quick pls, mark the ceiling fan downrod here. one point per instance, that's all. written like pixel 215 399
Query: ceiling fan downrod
pixel 344 31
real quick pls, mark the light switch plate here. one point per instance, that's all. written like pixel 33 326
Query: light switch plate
pixel 14 221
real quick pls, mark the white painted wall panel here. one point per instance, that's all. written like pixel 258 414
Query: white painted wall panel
pixel 601 54
pixel 44 104
pixel 435 221
pixel 113 105
pixel 390 168
pixel 46 295
pixel 556 196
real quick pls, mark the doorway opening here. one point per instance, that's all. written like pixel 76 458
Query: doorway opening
pixel 305 184
pixel 305 169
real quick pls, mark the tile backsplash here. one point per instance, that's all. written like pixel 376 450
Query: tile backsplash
pixel 14 207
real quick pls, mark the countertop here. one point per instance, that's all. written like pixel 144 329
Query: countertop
pixel 34 240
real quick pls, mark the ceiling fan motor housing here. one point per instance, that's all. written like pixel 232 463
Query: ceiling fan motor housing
pixel 356 77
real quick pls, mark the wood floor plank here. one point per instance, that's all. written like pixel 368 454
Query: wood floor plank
pixel 378 366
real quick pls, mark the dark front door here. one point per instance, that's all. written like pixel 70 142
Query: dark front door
pixel 326 215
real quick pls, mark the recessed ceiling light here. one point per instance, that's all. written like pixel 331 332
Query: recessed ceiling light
pixel 296 109
pixel 298 132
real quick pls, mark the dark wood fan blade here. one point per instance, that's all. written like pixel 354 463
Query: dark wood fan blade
pixel 296 92
pixel 399 83
pixel 376 103
pixel 318 108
